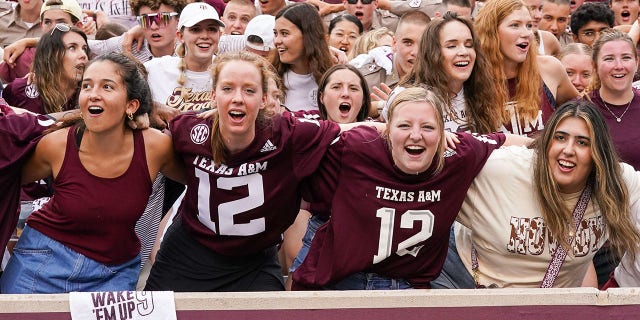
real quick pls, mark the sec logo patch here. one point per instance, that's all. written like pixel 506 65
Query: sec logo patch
pixel 199 133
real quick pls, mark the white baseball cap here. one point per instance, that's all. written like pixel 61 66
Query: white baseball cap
pixel 195 12
pixel 260 29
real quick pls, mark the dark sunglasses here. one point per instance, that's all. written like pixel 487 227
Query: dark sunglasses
pixel 62 27
pixel 356 1
pixel 161 19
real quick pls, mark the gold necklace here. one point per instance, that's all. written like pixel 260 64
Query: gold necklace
pixel 618 119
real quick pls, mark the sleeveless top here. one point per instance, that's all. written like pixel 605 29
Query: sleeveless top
pixel 96 216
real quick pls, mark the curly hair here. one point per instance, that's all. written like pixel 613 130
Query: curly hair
pixel 591 11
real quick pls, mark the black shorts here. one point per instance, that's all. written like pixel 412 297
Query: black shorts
pixel 184 265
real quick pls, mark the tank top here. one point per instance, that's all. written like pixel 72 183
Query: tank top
pixel 96 216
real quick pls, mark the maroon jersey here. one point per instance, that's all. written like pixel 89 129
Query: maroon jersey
pixel 383 220
pixel 26 96
pixel 243 206
pixel 96 216
pixel 18 137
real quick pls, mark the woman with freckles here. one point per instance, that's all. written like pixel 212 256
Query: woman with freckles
pixel 529 85
pixel 245 172
pixel 569 193
pixel 390 199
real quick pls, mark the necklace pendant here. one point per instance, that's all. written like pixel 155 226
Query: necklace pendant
pixel 618 119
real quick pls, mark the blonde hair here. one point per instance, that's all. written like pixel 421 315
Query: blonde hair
pixel 607 35
pixel 421 94
pixel 368 41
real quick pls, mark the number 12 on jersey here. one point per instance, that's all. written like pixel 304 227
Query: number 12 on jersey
pixel 387 220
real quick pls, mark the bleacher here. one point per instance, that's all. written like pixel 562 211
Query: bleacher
pixel 495 304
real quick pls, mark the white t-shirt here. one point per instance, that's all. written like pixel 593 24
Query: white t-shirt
pixel 163 80
pixel 459 107
pixel 627 273
pixel 506 226
pixel 302 90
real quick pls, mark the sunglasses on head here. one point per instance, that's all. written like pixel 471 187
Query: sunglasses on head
pixel 62 27
pixel 161 19
pixel 356 1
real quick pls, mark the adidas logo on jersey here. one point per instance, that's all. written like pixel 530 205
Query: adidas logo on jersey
pixel 268 146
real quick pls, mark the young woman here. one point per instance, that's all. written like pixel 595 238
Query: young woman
pixel 576 59
pixel 344 30
pixel 454 66
pixel 615 61
pixel 391 199
pixel 343 95
pixel 529 85
pixel 244 172
pixel 83 239
pixel 573 167
pixel 58 65
pixel 184 82
pixel 303 54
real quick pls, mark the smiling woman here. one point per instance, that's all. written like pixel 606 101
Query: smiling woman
pixel 453 64
pixel 303 54
pixel 568 194
pixel 369 180
pixel 183 82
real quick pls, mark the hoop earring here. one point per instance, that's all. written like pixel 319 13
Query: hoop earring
pixel 130 116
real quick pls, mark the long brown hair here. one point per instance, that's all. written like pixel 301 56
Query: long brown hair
pixel 48 66
pixel 316 50
pixel 610 192
pixel 480 95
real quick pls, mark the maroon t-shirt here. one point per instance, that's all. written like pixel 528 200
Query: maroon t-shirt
pixel 243 206
pixel 382 219
pixel 626 133
pixel 534 126
pixel 96 216
pixel 18 137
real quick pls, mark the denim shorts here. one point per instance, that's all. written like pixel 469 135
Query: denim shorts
pixel 40 264
pixel 356 281
pixel 454 274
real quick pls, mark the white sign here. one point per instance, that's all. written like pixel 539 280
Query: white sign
pixel 122 305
